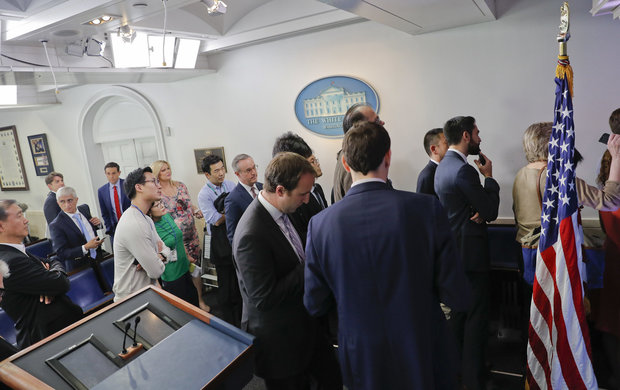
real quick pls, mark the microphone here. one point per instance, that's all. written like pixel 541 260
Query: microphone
pixel 135 331
pixel 127 326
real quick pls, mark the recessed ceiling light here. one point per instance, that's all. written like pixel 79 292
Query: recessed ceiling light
pixel 95 21
pixel 100 20
pixel 140 5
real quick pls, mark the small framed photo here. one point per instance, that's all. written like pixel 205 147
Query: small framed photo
pixel 199 154
pixel 12 173
pixel 40 154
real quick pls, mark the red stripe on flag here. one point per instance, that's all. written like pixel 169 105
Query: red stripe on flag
pixel 539 350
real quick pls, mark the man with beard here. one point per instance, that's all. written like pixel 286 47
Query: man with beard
pixel 469 206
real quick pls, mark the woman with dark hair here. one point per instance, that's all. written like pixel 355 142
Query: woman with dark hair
pixel 176 278
pixel 606 313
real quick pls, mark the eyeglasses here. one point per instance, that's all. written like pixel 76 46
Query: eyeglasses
pixel 249 170
pixel 154 181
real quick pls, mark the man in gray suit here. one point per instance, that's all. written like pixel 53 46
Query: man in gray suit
pixel 291 351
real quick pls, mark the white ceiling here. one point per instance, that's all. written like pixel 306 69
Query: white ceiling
pixel 25 22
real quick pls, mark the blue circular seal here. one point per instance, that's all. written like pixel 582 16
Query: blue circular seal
pixel 321 105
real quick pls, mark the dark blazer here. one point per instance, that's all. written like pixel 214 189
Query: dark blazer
pixel 458 187
pixel 50 207
pixel 235 204
pixel 67 238
pixel 28 281
pixel 301 217
pixel 388 258
pixel 271 283
pixel 426 180
pixel 108 211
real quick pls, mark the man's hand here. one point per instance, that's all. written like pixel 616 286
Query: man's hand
pixel 613 145
pixel 46 299
pixel 198 214
pixel 160 246
pixel 95 221
pixel 46 265
pixel 93 243
pixel 486 169
pixel 477 218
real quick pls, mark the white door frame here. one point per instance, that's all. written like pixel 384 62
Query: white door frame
pixel 85 129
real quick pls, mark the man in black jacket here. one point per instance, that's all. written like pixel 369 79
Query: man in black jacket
pixel 35 290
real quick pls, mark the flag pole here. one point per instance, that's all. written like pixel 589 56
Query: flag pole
pixel 563 69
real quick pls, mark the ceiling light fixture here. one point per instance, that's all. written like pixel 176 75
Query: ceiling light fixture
pixel 127 33
pixel 215 7
pixel 101 20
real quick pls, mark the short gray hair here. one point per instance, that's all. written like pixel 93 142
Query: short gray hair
pixel 536 141
pixel 64 191
pixel 4 269
pixel 239 157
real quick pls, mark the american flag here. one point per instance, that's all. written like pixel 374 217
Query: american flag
pixel 558 351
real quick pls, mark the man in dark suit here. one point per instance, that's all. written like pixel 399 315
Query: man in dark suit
pixel 34 293
pixel 388 259
pixel 74 234
pixel 289 142
pixel 436 147
pixel 469 206
pixel 54 181
pixel 269 256
pixel 242 195
pixel 112 199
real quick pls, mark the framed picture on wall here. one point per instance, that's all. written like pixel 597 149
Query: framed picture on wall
pixel 12 173
pixel 199 154
pixel 40 154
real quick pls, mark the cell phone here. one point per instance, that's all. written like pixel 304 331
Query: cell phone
pixel 604 138
pixel 482 159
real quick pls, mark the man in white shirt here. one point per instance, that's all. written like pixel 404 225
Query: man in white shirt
pixel 139 254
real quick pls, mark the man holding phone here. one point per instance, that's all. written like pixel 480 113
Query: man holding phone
pixel 74 234
pixel 469 206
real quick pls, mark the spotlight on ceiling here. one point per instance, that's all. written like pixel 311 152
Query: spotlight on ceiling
pixel 215 7
pixel 126 33
pixel 101 20
pixel 94 47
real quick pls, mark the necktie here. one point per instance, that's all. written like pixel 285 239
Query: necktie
pixel 86 233
pixel 318 198
pixel 253 191
pixel 293 238
pixel 117 204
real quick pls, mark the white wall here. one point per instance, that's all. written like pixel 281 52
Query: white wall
pixel 500 72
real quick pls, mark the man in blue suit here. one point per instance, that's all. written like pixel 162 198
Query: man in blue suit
pixel 385 258
pixel 436 147
pixel 74 234
pixel 469 206
pixel 243 194
pixel 112 199
pixel 54 181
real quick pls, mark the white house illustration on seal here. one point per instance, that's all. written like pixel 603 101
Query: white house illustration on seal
pixel 332 101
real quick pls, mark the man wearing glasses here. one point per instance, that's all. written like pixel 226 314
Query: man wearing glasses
pixel 35 290
pixel 243 194
pixel 139 253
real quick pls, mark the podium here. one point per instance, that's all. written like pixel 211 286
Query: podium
pixel 183 347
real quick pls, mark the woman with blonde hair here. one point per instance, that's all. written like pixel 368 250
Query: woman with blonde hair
pixel 176 200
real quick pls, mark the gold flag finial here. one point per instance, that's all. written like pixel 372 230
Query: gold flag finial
pixel 564 34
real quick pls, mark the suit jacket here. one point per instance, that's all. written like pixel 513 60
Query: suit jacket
pixel 28 281
pixel 459 190
pixel 426 180
pixel 67 238
pixel 271 283
pixel 301 217
pixel 50 207
pixel 388 258
pixel 235 204
pixel 108 211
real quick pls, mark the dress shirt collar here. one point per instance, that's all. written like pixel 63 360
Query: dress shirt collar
pixel 271 209
pixel 433 161
pixel 372 179
pixel 249 188
pixel 20 247
pixel 463 156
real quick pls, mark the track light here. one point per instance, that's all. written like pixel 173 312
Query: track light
pixel 94 47
pixel 215 7
pixel 126 33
